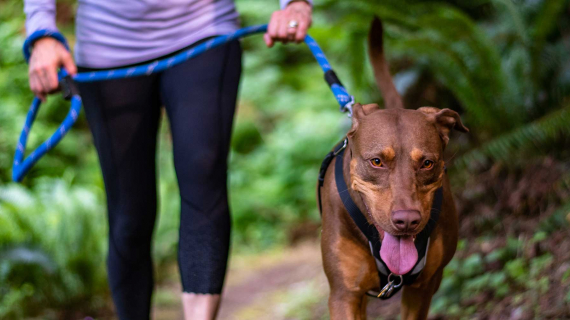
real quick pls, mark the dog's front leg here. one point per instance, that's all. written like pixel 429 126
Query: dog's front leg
pixel 351 272
pixel 347 305
pixel 350 277
pixel 416 300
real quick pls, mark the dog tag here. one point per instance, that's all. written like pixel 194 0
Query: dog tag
pixel 387 290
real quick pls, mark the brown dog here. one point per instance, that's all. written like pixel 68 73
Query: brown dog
pixel 393 167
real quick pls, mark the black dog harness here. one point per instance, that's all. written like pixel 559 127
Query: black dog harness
pixel 389 283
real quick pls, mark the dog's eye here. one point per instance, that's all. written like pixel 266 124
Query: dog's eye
pixel 428 164
pixel 376 163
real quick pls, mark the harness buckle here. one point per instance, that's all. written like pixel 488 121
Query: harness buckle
pixel 344 144
pixel 348 107
pixel 386 292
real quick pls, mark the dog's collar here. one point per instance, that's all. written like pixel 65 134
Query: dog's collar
pixel 370 231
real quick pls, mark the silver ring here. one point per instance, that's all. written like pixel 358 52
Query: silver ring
pixel 401 280
pixel 293 24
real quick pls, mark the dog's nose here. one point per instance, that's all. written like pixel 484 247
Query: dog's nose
pixel 406 220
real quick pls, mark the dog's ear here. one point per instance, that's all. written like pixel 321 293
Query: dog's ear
pixel 369 108
pixel 357 115
pixel 444 120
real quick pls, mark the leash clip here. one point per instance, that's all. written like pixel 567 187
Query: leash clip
pixel 348 107
pixel 344 144
pixel 386 292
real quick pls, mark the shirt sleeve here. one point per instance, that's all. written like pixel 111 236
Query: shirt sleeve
pixel 40 14
pixel 284 3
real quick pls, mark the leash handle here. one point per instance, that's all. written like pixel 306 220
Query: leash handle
pixel 22 165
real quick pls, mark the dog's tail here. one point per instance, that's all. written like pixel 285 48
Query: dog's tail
pixel 392 98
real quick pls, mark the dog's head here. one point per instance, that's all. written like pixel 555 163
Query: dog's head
pixel 397 163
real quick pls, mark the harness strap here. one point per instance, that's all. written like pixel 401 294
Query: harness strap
pixel 370 231
pixel 359 219
pixel 325 165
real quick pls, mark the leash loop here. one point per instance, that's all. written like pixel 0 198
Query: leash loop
pixel 70 92
pixel 22 165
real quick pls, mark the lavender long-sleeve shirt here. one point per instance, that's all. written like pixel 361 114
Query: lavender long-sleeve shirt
pixel 112 33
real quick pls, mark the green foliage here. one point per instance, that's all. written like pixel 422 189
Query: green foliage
pixel 503 65
pixel 52 247
pixel 468 280
pixel 530 136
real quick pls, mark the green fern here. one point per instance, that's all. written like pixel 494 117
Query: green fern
pixel 531 135
pixel 52 241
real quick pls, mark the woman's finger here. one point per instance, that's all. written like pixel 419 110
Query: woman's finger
pixel 291 31
pixel 268 40
pixel 51 77
pixel 302 30
pixel 283 26
pixel 68 63
pixel 42 80
pixel 292 24
pixel 34 86
pixel 48 79
pixel 272 29
pixel 37 87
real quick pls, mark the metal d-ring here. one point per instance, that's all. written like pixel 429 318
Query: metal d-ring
pixel 348 107
pixel 401 280
pixel 386 292
pixel 344 144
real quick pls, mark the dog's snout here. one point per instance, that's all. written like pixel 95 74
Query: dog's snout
pixel 406 220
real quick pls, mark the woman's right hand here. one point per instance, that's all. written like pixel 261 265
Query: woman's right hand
pixel 48 55
pixel 279 28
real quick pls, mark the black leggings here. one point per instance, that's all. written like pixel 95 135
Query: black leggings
pixel 199 96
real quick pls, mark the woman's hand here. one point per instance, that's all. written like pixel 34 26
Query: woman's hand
pixel 48 55
pixel 289 24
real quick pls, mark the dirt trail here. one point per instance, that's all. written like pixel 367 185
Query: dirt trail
pixel 278 285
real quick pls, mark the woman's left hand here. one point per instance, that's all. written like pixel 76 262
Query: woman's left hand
pixel 289 24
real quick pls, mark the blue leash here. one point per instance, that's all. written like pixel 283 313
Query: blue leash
pixel 22 166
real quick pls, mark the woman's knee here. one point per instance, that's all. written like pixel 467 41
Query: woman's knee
pixel 203 170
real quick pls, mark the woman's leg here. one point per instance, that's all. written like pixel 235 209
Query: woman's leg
pixel 124 116
pixel 200 97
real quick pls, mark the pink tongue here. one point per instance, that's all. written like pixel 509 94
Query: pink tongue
pixel 399 253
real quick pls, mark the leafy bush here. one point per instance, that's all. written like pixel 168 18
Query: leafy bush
pixel 52 248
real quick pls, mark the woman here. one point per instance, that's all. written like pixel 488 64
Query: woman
pixel 199 96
